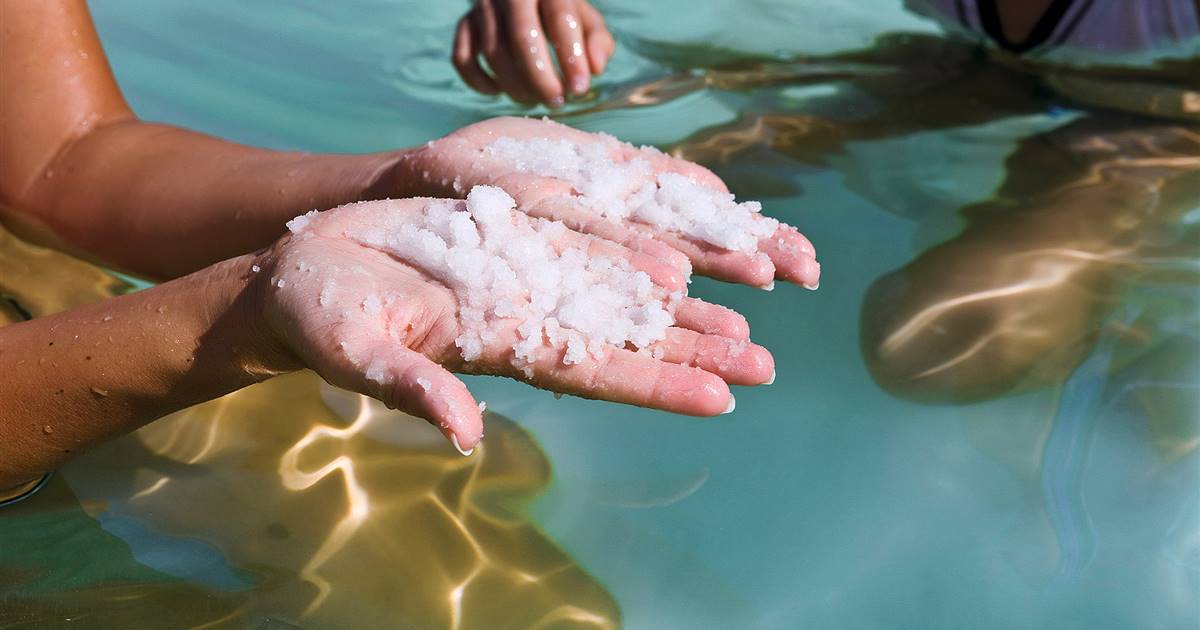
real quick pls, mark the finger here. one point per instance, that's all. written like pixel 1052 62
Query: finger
pixel 466 59
pixel 408 381
pixel 498 54
pixel 705 259
pixel 664 163
pixel 660 251
pixel 793 256
pixel 723 264
pixel 738 362
pixel 562 207
pixel 634 378
pixel 661 273
pixel 600 44
pixel 711 319
pixel 566 34
pixel 531 52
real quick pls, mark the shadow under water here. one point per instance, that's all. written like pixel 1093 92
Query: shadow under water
pixel 1095 205
pixel 288 504
pixel 1075 280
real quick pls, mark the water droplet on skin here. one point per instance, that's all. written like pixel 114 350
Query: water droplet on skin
pixel 99 393
pixel 539 65
pixel 576 50
pixel 47 429
pixel 571 23
pixel 533 33
pixel 106 318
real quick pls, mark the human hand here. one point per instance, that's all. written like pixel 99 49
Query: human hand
pixel 379 321
pixel 450 166
pixel 515 36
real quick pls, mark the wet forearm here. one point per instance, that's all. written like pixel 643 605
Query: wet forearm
pixel 81 172
pixel 80 377
pixel 163 201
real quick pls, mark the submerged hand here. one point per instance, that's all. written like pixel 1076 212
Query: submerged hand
pixel 515 37
pixel 368 321
pixel 450 166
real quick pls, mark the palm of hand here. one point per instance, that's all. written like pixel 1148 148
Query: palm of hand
pixel 369 322
pixel 451 166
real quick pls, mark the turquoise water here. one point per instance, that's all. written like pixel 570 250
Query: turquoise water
pixel 1027 487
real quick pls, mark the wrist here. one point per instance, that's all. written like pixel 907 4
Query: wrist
pixel 390 179
pixel 242 283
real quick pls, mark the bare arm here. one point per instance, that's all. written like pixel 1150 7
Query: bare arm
pixel 82 173
pixel 80 377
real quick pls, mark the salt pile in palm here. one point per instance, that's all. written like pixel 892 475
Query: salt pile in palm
pixel 508 270
pixel 617 181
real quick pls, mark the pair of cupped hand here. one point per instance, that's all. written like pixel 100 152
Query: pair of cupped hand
pixel 403 352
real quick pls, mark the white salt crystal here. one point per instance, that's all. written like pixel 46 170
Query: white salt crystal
pixel 424 383
pixel 326 295
pixel 372 306
pixel 377 373
pixel 630 189
pixel 300 223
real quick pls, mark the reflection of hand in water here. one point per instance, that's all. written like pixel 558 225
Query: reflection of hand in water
pixel 1017 297
pixel 1016 300
pixel 360 520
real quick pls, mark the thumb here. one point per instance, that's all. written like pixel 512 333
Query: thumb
pixel 408 381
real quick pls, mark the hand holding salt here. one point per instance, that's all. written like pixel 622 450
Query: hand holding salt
pixel 385 297
pixel 651 202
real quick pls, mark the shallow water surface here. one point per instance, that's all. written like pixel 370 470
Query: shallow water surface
pixel 987 416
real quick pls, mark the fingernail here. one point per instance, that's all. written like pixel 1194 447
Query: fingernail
pixel 732 405
pixel 454 441
pixel 813 287
pixel 579 86
pixel 770 286
pixel 557 102
pixel 771 381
